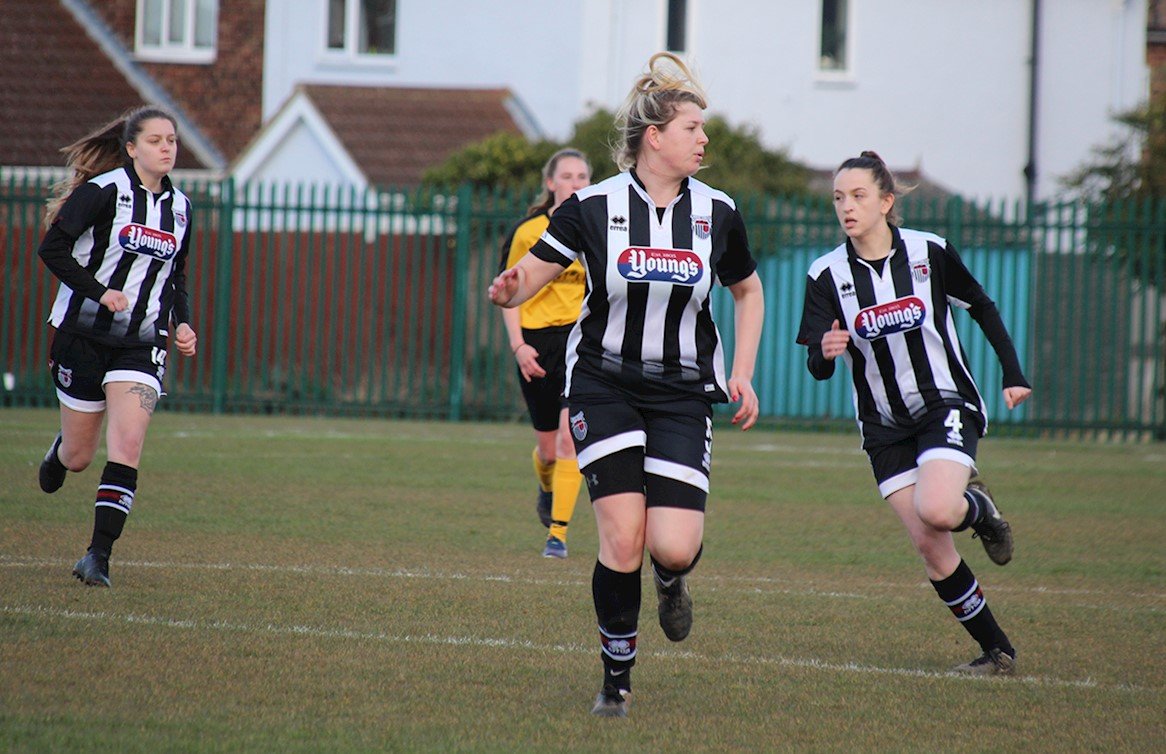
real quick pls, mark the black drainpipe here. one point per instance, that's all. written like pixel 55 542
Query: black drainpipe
pixel 1033 81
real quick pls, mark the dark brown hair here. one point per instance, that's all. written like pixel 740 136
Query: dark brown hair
pixel 870 160
pixel 99 152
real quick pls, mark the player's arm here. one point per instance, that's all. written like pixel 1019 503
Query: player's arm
pixel 517 284
pixel 820 320
pixel 185 338
pixel 749 311
pixel 964 291
pixel 546 260
pixel 78 213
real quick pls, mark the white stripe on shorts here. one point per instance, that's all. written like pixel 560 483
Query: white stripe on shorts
pixel 634 439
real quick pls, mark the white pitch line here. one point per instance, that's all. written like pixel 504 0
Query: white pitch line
pixel 496 643
pixel 736 584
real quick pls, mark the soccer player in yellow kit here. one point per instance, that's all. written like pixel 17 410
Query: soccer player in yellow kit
pixel 538 332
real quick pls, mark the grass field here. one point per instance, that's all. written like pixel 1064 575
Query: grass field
pixel 305 585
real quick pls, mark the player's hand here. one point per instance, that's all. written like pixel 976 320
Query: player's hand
pixel 1014 396
pixel 115 301
pixel 503 288
pixel 527 357
pixel 835 341
pixel 186 340
pixel 742 390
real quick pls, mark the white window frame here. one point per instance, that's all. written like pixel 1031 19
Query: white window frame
pixel 836 74
pixel 175 52
pixel 349 53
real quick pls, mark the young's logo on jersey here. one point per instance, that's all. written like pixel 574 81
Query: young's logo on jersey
pixel 147 241
pixel 893 317
pixel 640 263
pixel 702 225
pixel 921 271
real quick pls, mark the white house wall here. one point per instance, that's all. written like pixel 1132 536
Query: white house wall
pixel 531 47
pixel 936 84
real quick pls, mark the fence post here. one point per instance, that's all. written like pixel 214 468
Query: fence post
pixel 457 357
pixel 222 313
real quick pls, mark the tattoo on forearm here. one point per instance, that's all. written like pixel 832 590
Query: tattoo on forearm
pixel 147 395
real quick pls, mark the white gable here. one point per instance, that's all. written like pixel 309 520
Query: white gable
pixel 298 146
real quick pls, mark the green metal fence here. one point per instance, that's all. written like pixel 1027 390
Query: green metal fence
pixel 313 299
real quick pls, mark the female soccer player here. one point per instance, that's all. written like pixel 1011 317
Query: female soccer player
pixel 883 301
pixel 118 236
pixel 538 338
pixel 644 361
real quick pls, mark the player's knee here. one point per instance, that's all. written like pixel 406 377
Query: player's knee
pixel 676 556
pixel 76 456
pixel 622 556
pixel 77 461
pixel 126 448
pixel 939 515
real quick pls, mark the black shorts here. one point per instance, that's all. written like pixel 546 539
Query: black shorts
pixel 81 367
pixel 662 450
pixel 544 395
pixel 896 453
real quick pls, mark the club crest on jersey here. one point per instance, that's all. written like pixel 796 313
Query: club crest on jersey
pixel 65 376
pixel 180 218
pixel 896 316
pixel 702 226
pixel 639 263
pixel 579 426
pixel 140 239
pixel 921 271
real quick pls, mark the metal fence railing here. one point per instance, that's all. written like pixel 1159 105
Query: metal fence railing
pixel 310 299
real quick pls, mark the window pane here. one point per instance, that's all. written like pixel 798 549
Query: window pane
pixel 335 24
pixel 204 23
pixel 378 27
pixel 677 24
pixel 833 57
pixel 152 23
pixel 177 21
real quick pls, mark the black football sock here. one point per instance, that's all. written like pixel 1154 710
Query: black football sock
pixel 115 498
pixel 961 592
pixel 617 607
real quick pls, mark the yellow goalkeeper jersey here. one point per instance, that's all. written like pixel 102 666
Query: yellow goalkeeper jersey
pixel 559 302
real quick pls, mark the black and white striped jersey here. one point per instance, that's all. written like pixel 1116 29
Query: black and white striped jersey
pixel 904 355
pixel 112 232
pixel 646 324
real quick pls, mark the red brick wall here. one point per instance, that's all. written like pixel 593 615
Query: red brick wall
pixel 223 98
